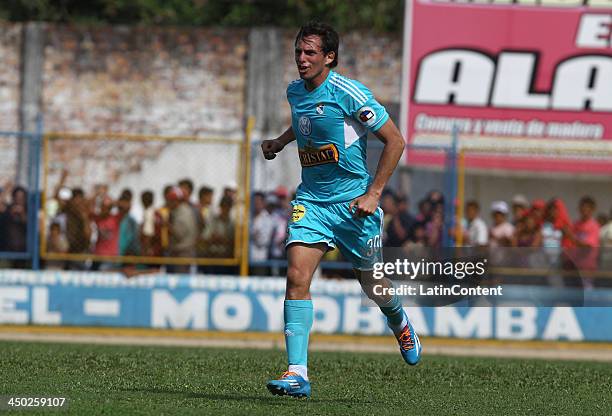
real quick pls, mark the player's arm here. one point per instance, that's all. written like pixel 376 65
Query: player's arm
pixel 271 147
pixel 390 135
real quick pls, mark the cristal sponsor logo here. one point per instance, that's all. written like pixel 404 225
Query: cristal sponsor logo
pixel 320 108
pixel 367 116
pixel 313 156
pixel 298 213
pixel 305 126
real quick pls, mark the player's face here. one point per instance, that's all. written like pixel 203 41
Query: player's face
pixel 309 57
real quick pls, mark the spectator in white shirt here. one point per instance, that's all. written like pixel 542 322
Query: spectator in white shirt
pixel 476 231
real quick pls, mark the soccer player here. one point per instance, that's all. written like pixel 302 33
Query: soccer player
pixel 337 202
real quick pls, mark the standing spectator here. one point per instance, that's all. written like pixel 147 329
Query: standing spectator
pixel 186 186
pixel 402 224
pixel 220 236
pixel 129 241
pixel 527 232
pixel 605 241
pixel 279 230
pixel 56 243
pixel 500 234
pixel 164 215
pixel 424 214
pixel 78 229
pixel 538 211
pixel 14 224
pixel 150 228
pixel 183 229
pixel 555 221
pixel 107 224
pixel 476 234
pixel 205 197
pixel 389 207
pixel 261 232
pixel 585 235
pixel 520 206
pixel 502 231
pixel 230 191
pixel 435 226
pixel 284 203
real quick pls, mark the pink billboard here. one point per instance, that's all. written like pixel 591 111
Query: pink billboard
pixel 527 87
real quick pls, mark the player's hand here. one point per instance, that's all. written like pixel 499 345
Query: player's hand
pixel 364 206
pixel 270 148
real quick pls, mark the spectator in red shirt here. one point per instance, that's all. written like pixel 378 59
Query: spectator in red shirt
pixel 585 235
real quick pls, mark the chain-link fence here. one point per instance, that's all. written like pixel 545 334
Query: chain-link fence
pixel 541 210
pixel 116 199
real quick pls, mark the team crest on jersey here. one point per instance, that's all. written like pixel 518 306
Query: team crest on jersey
pixel 313 156
pixel 366 116
pixel 320 108
pixel 298 213
pixel 305 126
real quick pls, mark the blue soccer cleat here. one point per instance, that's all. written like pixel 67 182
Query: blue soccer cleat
pixel 409 343
pixel 290 384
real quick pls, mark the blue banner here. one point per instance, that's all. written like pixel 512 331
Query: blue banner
pixel 228 303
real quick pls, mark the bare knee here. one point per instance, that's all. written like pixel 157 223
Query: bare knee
pixel 298 286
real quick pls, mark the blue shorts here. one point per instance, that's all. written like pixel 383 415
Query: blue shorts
pixel 359 239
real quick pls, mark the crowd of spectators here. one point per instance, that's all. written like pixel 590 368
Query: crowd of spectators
pixel 182 226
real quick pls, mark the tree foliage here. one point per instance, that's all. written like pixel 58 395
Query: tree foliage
pixel 378 15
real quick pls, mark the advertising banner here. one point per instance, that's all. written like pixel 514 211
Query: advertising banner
pixel 528 83
pixel 256 304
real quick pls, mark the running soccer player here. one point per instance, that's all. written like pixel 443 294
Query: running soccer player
pixel 337 202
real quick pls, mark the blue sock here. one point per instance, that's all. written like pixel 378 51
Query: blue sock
pixel 394 313
pixel 298 321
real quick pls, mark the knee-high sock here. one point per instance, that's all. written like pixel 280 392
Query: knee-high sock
pixel 298 321
pixel 394 313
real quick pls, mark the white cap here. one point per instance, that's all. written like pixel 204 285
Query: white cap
pixel 64 194
pixel 499 206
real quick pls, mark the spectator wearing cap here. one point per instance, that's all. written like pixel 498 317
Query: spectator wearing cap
pixel 183 229
pixel 284 205
pixel 502 231
pixel 231 191
pixel 520 206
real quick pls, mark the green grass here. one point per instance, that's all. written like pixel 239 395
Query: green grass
pixel 118 380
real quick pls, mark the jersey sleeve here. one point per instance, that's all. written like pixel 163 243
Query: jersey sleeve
pixel 357 102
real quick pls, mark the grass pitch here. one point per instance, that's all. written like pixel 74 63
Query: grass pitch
pixel 120 380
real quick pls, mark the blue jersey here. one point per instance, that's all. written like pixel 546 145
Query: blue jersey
pixel 330 124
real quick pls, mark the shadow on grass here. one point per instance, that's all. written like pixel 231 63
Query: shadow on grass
pixel 238 397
